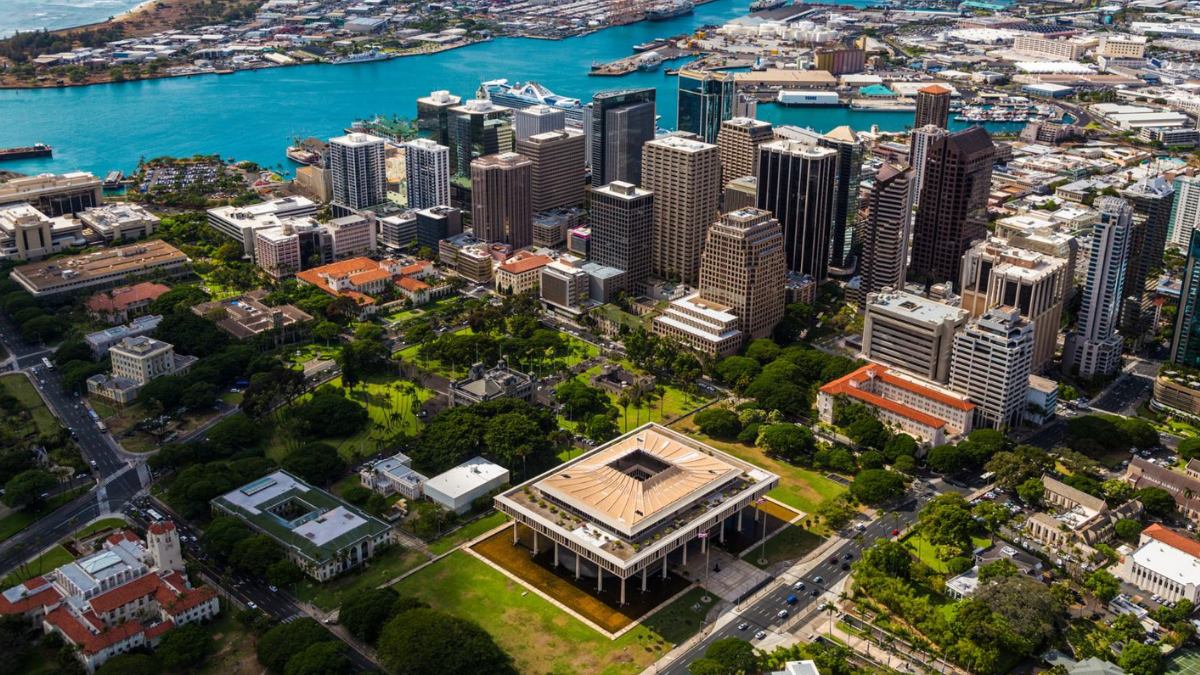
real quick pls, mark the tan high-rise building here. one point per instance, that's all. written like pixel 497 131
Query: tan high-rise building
pixel 743 268
pixel 558 168
pixel 933 106
pixel 738 144
pixel 501 199
pixel 886 231
pixel 622 230
pixel 684 174
pixel 996 274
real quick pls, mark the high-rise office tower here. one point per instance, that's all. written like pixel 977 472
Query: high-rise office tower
pixel 738 143
pixel 886 230
pixel 538 119
pixel 705 100
pixel 844 241
pixel 991 366
pixel 919 141
pixel 952 212
pixel 996 273
pixel 501 203
pixel 743 269
pixel 1095 348
pixel 1185 345
pixel 911 332
pixel 684 175
pixel 359 175
pixel 796 183
pixel 933 107
pixel 1152 200
pixel 558 170
pixel 433 115
pixel 740 193
pixel 623 230
pixel 478 128
pixel 436 224
pixel 427 165
pixel 617 124
pixel 745 105
pixel 1185 212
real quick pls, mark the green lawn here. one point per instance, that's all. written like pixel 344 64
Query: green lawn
pixel 791 543
pixel 540 637
pixel 679 620
pixel 799 488
pixel 467 533
pixel 384 402
pixel 20 387
pixel 380 570
pixel 19 520
pixel 233 651
pixel 926 553
pixel 101 525
pixel 51 559
pixel 675 402
pixel 298 354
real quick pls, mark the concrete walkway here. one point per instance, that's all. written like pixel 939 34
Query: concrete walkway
pixel 735 577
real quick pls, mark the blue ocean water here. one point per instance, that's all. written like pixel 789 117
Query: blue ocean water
pixel 252 115
pixel 30 15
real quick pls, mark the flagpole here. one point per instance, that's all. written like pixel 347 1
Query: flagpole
pixel 703 537
pixel 762 559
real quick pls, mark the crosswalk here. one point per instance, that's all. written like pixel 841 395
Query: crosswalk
pixel 293 617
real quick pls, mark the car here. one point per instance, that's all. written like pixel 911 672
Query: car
pixel 791 600
pixel 251 604
pixel 760 635
pixel 895 533
pixel 848 556
pixel 783 614
pixel 94 463
pixel 860 527
pixel 818 580
pixel 273 589
pixel 845 566
pixel 743 625
pixel 833 560
pixel 813 593
pixel 799 586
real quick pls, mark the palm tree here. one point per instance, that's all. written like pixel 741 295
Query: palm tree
pixel 830 609
pixel 623 401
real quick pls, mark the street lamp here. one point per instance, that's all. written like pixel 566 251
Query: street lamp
pixel 762 558
pixel 703 537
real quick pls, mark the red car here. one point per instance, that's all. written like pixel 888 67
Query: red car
pixel 833 560
pixel 895 532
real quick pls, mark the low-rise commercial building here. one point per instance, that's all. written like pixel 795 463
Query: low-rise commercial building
pixel 919 409
pixel 122 304
pixel 101 341
pixel 564 285
pixel 321 534
pixel 911 333
pixel 101 270
pixel 135 362
pixel 116 222
pixel 1165 563
pixel 458 488
pixel 246 316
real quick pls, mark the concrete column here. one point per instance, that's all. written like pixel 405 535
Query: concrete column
pixel 599 578
pixel 577 557
pixel 622 590
pixel 739 522
pixel 664 567
pixel 556 555
pixel 644 571
pixel 535 542
pixel 704 544
pixel 685 554
pixel 722 531
pixel 515 526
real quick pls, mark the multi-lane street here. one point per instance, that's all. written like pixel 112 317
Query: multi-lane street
pixel 762 612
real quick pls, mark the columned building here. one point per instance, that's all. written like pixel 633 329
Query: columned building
pixel 796 183
pixel 684 175
pixel 636 505
pixel 956 177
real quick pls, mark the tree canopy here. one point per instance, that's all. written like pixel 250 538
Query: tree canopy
pixel 428 642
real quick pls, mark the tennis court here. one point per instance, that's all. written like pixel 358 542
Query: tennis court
pixel 1183 662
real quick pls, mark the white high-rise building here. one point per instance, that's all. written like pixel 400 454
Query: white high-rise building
pixel 359 174
pixel 991 366
pixel 1185 213
pixel 1095 347
pixel 538 119
pixel 918 143
pixel 428 169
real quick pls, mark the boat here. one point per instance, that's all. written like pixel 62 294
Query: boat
pixel 651 45
pixel 521 96
pixel 35 150
pixel 361 57
pixel 649 62
pixel 670 10
pixel 764 5
pixel 301 156
pixel 112 181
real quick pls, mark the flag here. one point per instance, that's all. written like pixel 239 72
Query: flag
pixel 761 500
pixel 702 535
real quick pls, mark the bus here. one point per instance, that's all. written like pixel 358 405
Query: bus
pixel 154 514
pixel 46 362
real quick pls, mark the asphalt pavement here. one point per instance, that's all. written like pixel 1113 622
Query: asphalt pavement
pixel 762 613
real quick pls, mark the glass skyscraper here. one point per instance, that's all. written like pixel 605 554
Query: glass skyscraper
pixel 1185 347
pixel 705 100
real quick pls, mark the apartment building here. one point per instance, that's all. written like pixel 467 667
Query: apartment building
pixel 427 167
pixel 1095 347
pixel 886 231
pixel 911 333
pixel 359 171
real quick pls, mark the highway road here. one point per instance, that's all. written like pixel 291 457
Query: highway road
pixel 762 613
pixel 120 475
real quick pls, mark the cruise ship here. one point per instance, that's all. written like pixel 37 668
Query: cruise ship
pixel 520 96
pixel 764 5
pixel 361 57
pixel 670 10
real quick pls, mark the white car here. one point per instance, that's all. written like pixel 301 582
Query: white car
pixel 251 604
pixel 760 635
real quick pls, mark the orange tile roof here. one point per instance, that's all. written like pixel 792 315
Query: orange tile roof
pixel 522 265
pixel 1174 539
pixel 125 594
pixel 123 535
pixel 312 277
pixel 412 285
pixel 346 267
pixel 90 643
pixel 162 527
pixel 121 298
pixel 844 386
pixel 43 598
pixel 159 628
pixel 927 392
pixel 934 89
pixel 35 583
pixel 416 268
pixel 377 274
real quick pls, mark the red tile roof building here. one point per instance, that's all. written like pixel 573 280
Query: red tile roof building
pixel 119 304
pixel 917 408
pixel 115 600
pixel 361 278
